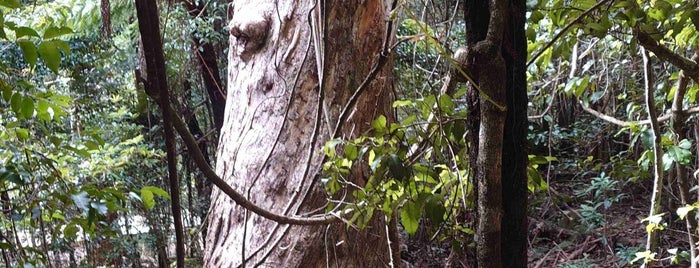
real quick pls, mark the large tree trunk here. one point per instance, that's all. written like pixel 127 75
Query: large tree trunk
pixel 268 148
pixel 498 47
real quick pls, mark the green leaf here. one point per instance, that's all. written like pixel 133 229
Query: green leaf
pixel 6 92
pixel 396 167
pixel 157 191
pixel 50 54
pixel 54 31
pixel 25 31
pixel 446 104
pixel 28 51
pixel 58 215
pixel 28 107
pixel 435 211
pixel 679 155
pixel 71 231
pixel 42 110
pixel 147 198
pixel 379 125
pixel 91 145
pixel 22 134
pixel 401 103
pixel 410 216
pixel 10 3
pixel 351 151
pixel 16 103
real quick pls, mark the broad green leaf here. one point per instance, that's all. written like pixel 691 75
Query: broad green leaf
pixel 91 145
pixel 28 51
pixel 379 125
pixel 351 151
pixel 25 31
pixel 679 155
pixel 446 104
pixel 71 231
pixel 410 216
pixel 11 176
pixel 28 107
pixel 396 167
pixel 50 54
pixel 54 31
pixel 401 103
pixel 435 211
pixel 6 92
pixel 10 3
pixel 16 103
pixel 42 110
pixel 157 191
pixel 147 198
pixel 58 215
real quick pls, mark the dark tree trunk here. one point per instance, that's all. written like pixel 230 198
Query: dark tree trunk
pixel 208 67
pixel 105 11
pixel 149 27
pixel 515 151
pixel 513 225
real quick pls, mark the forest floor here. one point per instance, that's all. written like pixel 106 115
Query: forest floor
pixel 569 227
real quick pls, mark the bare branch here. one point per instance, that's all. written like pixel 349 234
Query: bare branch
pixel 690 68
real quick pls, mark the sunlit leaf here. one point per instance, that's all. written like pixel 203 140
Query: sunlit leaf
pixel 351 151
pixel 22 134
pixel 379 124
pixel 683 211
pixel 147 198
pixel 54 31
pixel 410 216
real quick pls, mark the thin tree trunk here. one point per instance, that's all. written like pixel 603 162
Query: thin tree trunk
pixel 105 11
pixel 679 120
pixel 286 93
pixel 149 26
pixel 652 241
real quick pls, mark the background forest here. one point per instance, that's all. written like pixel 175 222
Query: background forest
pixel 612 89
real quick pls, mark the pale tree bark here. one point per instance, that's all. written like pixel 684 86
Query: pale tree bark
pixel 278 117
pixel 653 239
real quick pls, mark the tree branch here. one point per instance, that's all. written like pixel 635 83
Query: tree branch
pixel 690 68
pixel 238 198
pixel 622 123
